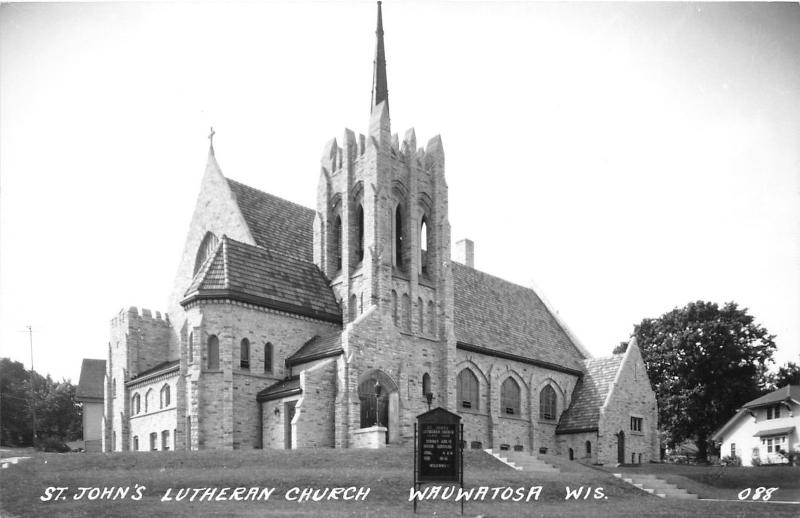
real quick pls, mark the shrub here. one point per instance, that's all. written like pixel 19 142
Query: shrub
pixel 52 443
pixel 728 460
pixel 756 461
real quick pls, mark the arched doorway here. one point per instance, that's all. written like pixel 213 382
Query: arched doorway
pixel 379 403
pixel 621 447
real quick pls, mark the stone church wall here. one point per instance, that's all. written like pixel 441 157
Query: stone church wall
pixel 577 441
pixel 314 419
pixel 631 396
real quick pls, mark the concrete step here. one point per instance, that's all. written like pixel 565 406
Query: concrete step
pixel 654 485
pixel 523 462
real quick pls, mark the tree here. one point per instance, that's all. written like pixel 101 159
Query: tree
pixel 704 362
pixel 788 374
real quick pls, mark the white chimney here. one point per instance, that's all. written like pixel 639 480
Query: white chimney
pixel 465 252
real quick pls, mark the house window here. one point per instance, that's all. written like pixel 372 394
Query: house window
pixel 398 237
pixel 337 243
pixel 394 309
pixel 636 424
pixel 421 315
pixel 135 443
pixel 165 440
pixel 268 357
pixel 431 318
pixel 426 384
pixel 165 396
pixel 406 312
pixel 769 445
pixel 213 352
pixel 509 397
pixel 153 441
pixel 467 389
pixel 423 246
pixel 359 234
pixel 547 403
pixel 733 449
pixel 244 354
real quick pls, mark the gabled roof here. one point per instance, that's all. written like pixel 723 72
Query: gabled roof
pixel 283 388
pixel 504 316
pixel 155 370
pixel 276 224
pixel 317 348
pixel 776 396
pixel 267 278
pixel 90 386
pixel 787 392
pixel 589 395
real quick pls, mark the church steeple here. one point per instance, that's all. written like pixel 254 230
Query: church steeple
pixel 380 86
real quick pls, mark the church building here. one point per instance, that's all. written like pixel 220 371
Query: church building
pixel 335 326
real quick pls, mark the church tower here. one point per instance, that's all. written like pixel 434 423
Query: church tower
pixel 382 238
pixel 381 233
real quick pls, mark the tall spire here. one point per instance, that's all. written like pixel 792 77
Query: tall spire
pixel 380 87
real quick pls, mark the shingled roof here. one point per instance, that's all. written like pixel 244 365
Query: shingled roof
pixel 90 385
pixel 267 278
pixel 776 396
pixel 276 224
pixel 281 389
pixel 316 348
pixel 589 395
pixel 500 315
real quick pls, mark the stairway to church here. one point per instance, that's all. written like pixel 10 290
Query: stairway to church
pixel 522 461
pixel 656 486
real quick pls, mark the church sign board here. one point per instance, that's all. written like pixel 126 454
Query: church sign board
pixel 438 445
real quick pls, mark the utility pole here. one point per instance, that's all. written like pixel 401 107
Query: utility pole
pixel 33 392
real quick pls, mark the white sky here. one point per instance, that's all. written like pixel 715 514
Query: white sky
pixel 624 158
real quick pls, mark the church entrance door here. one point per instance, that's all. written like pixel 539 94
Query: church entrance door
pixel 379 403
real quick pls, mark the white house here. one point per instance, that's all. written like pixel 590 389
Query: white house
pixel 763 427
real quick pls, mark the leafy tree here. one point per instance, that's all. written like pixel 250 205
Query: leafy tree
pixel 704 362
pixel 57 413
pixel 788 374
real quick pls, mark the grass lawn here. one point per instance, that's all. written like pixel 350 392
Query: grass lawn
pixel 387 474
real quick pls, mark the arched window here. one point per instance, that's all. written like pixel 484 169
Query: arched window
pixel 406 312
pixel 426 384
pixel 398 237
pixel 213 352
pixel 165 396
pixel 207 246
pixel 147 400
pixel 421 315
pixel 588 448
pixel 423 246
pixel 467 390
pixel 353 307
pixel 337 243
pixel 359 248
pixel 431 318
pixel 509 397
pixel 395 316
pixel 136 404
pixel 547 403
pixel 244 354
pixel 191 348
pixel 268 357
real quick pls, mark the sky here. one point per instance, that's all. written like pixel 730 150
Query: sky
pixel 622 158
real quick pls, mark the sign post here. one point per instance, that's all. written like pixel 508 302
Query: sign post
pixel 438 449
